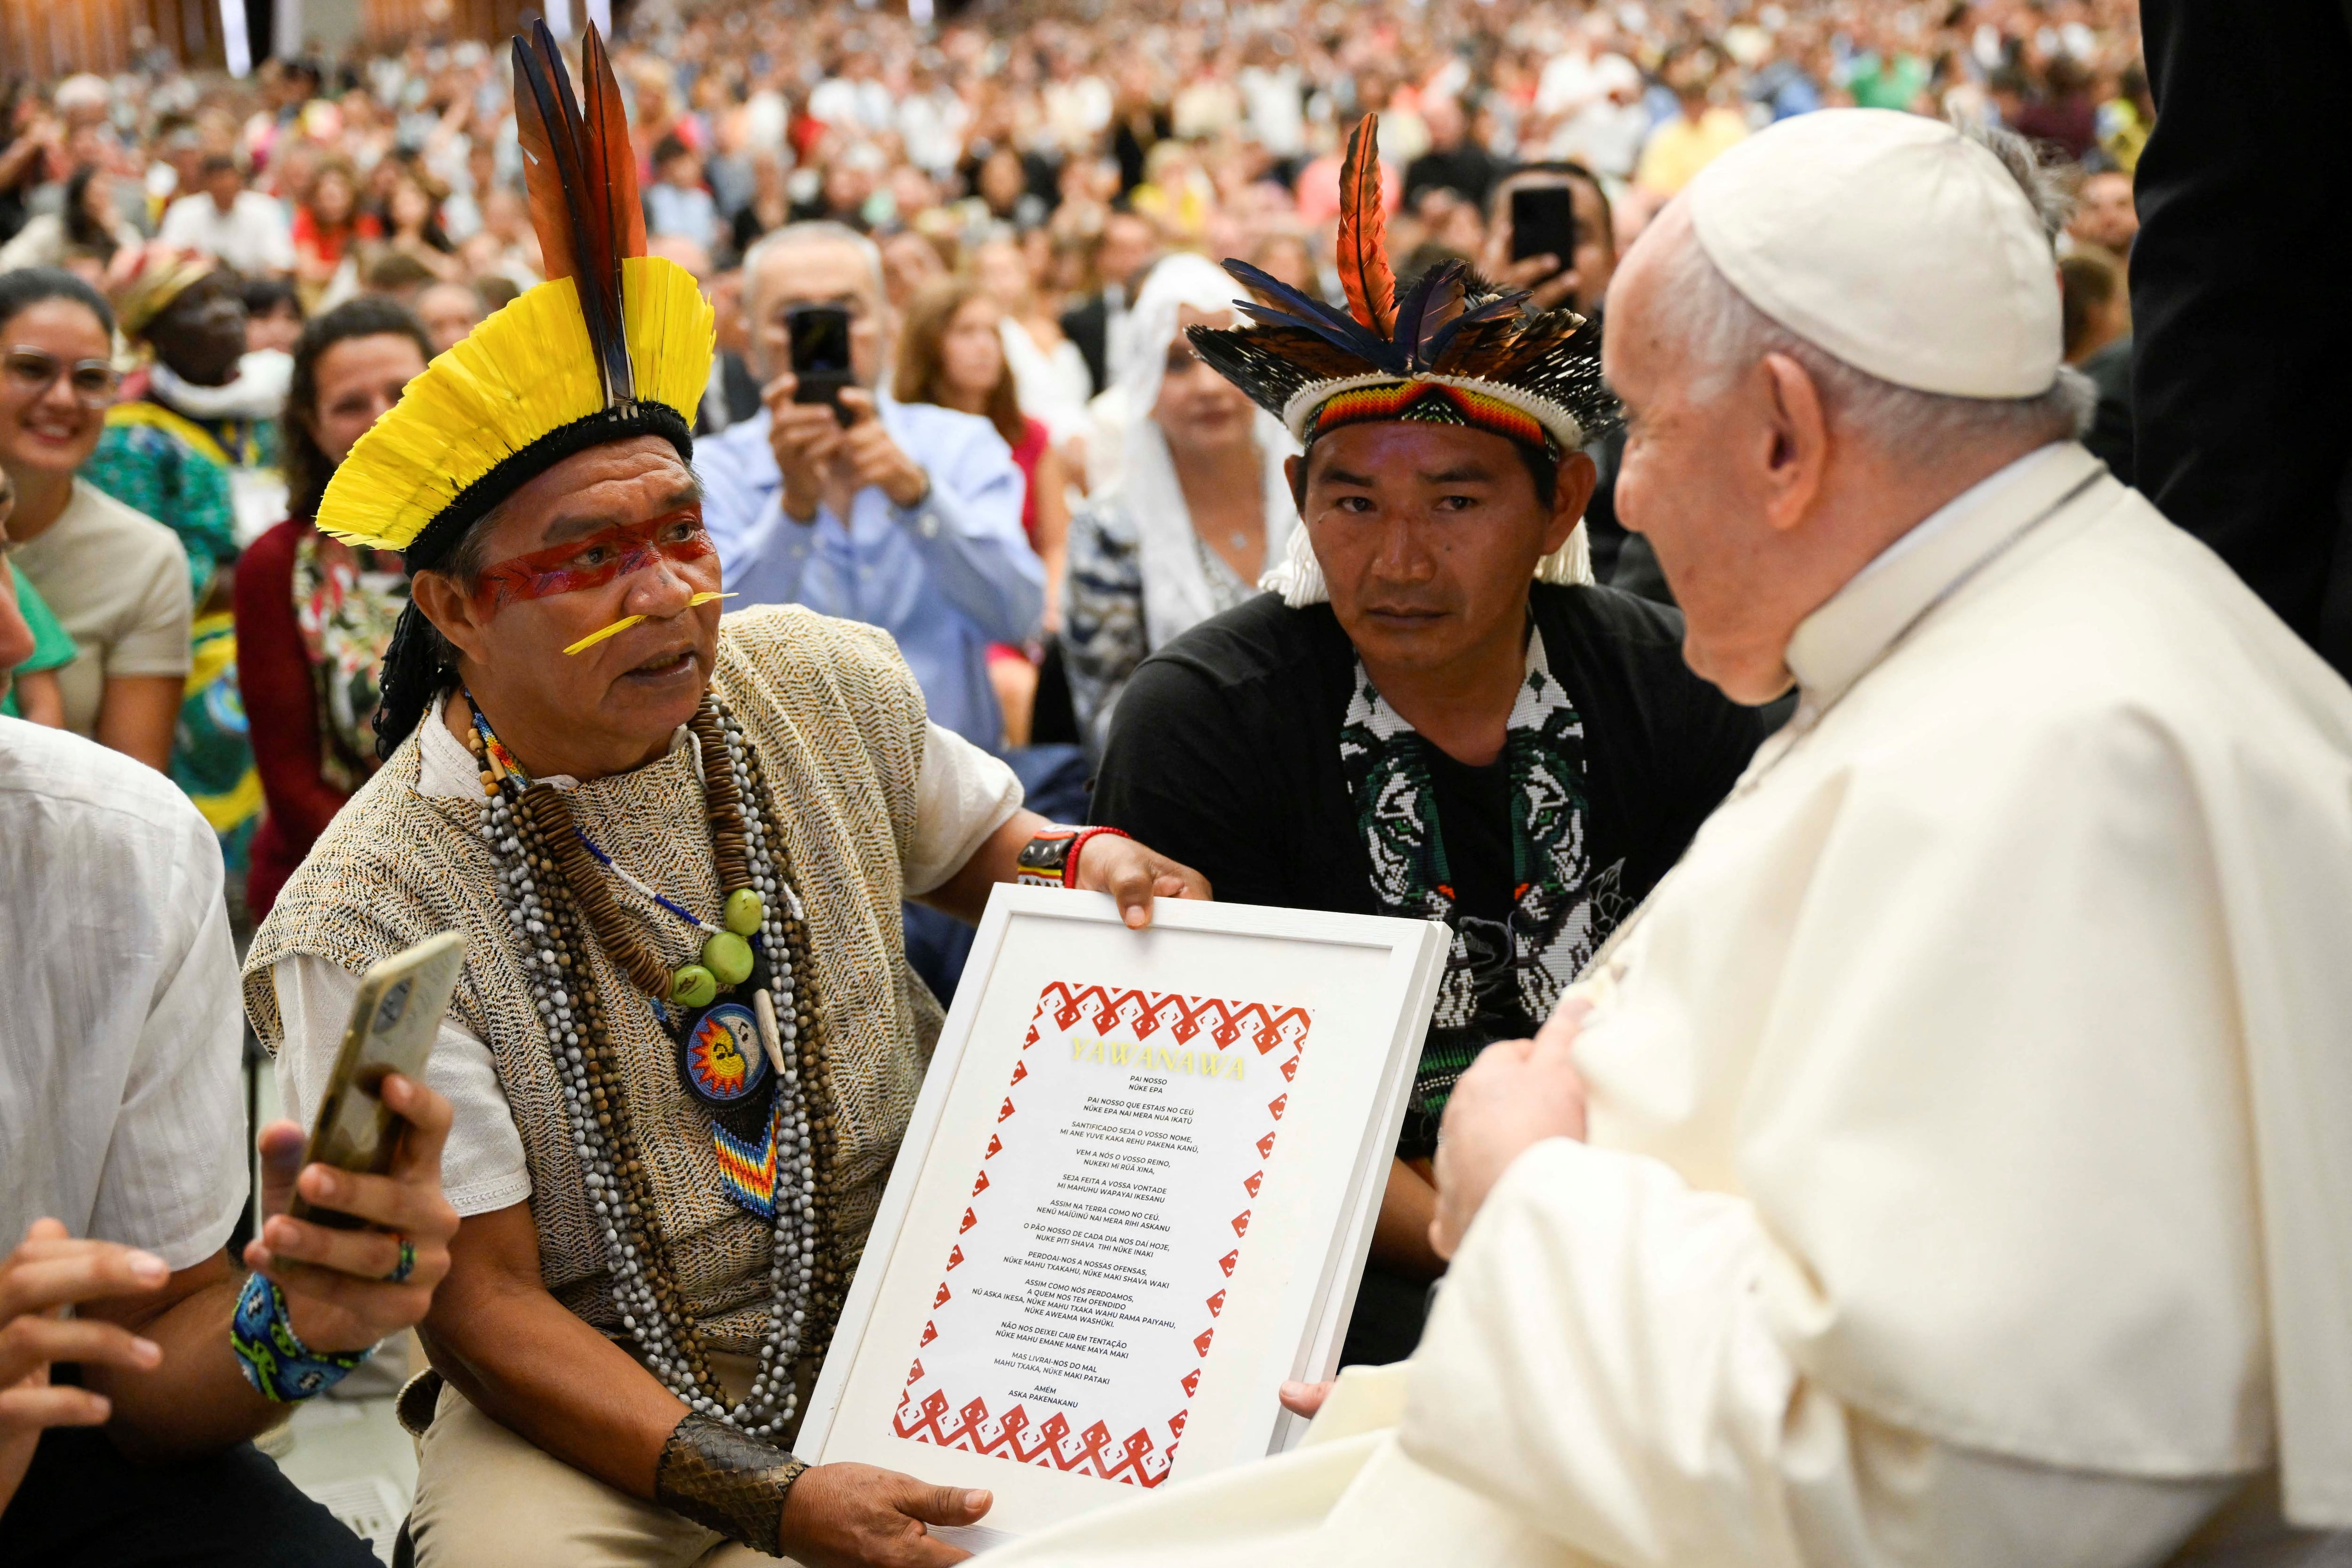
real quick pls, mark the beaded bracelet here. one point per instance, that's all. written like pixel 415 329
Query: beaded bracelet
pixel 272 1356
pixel 1051 859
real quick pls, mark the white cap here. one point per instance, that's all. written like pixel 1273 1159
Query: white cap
pixel 1891 242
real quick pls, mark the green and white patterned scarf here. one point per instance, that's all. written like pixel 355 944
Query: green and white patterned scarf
pixel 1499 981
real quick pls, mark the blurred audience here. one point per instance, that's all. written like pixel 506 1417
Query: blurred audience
pixel 904 515
pixel 1200 509
pixel 448 312
pixel 313 614
pixel 242 228
pixel 951 353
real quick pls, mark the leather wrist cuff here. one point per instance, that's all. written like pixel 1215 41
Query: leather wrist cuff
pixel 723 1480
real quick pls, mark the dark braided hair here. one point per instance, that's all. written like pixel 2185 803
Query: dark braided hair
pixel 26 287
pixel 419 664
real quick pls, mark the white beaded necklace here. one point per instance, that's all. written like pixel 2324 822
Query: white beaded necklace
pixel 774 1399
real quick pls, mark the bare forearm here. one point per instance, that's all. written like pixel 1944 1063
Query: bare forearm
pixel 196 1401
pixel 533 1367
pixel 135 717
pixel 965 894
pixel 1401 1234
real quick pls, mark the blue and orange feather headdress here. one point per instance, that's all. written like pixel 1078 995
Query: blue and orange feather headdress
pixel 1452 348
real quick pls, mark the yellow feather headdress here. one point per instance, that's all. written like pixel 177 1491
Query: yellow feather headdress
pixel 615 344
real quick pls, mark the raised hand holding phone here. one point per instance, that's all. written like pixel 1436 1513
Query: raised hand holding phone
pixel 355 1229
pixel 346 1288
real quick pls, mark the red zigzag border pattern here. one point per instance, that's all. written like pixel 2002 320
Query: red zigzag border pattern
pixel 1138 1462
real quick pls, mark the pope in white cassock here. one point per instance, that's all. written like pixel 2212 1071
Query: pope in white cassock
pixel 1952 1163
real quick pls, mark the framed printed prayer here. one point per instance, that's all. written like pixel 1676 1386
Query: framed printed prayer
pixel 1135 1196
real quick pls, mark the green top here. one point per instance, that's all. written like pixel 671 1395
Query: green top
pixel 52 649
pixel 1880 82
pixel 156 472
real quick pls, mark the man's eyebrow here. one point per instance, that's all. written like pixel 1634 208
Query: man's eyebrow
pixel 1341 477
pixel 1461 474
pixel 564 529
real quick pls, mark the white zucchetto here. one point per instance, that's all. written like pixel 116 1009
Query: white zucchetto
pixel 1893 242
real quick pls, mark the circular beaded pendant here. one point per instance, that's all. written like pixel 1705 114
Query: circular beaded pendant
pixel 720 1057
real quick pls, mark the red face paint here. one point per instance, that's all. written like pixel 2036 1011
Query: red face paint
pixel 596 559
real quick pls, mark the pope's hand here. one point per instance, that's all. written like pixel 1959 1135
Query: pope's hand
pixel 1518 1093
pixel 1306 1398
pixel 337 1282
pixel 1135 876
pixel 862 1516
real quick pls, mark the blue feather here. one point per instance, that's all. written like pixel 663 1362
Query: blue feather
pixel 1413 309
pixel 1439 340
pixel 1294 308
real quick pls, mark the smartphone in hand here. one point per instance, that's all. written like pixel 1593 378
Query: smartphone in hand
pixel 821 367
pixel 395 1019
pixel 1543 223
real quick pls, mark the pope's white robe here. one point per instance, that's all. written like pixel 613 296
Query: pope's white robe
pixel 1971 1165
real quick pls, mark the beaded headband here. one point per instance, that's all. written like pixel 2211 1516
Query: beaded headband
pixel 1430 402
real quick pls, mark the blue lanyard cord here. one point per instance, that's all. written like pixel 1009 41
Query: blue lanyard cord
pixel 482 728
pixel 606 861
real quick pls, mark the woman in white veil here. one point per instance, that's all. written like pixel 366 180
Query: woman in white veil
pixel 1201 508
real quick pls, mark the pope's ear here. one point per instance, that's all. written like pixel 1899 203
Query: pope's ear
pixel 1572 493
pixel 452 609
pixel 1796 436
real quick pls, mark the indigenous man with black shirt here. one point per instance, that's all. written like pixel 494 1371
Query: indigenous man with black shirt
pixel 1411 726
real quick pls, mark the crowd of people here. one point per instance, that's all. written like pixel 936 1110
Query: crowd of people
pixel 1019 174
pixel 1039 353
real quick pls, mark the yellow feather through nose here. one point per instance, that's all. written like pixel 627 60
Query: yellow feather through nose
pixel 626 622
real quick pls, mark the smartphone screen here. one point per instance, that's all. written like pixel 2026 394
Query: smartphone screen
pixel 820 336
pixel 1543 223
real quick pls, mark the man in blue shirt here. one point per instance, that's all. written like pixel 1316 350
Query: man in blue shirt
pixel 908 519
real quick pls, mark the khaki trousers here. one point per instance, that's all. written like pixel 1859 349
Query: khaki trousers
pixel 487 1498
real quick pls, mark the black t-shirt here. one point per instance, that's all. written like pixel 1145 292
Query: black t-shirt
pixel 1224 754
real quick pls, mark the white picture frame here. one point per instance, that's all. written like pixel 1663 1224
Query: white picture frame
pixel 1366 983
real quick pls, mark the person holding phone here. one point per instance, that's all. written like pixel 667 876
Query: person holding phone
pixel 685 1042
pixel 1549 231
pixel 126 1415
pixel 822 499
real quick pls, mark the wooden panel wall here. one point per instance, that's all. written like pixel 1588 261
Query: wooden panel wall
pixel 46 39
pixel 391 21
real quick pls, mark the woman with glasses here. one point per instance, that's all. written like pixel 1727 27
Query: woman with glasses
pixel 117 580
pixel 313 614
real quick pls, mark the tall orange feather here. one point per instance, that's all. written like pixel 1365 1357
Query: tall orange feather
pixel 1363 259
pixel 609 159
pixel 581 174
pixel 548 145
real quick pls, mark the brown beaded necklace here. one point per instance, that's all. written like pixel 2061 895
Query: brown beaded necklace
pixel 545 828
pixel 550 812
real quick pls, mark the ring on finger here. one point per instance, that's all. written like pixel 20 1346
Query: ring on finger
pixel 407 1264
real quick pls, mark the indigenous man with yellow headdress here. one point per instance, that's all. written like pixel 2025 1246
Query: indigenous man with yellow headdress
pixel 1414 727
pixel 686 1042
